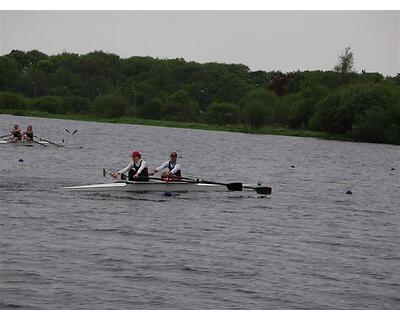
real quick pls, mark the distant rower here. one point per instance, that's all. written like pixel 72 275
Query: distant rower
pixel 16 133
pixel 28 134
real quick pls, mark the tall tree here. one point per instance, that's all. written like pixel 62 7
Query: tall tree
pixel 346 61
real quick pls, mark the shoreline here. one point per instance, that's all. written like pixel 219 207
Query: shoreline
pixel 267 130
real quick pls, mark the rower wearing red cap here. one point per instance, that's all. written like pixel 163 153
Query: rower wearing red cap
pixel 137 169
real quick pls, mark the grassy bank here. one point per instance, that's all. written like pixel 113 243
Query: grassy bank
pixel 175 124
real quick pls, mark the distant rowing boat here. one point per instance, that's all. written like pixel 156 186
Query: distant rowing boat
pixel 27 143
pixel 164 186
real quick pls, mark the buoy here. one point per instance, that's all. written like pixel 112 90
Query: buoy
pixel 21 160
pixel 292 166
pixel 167 194
pixel 392 169
pixel 349 192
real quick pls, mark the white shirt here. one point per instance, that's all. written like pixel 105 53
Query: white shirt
pixel 176 168
pixel 130 166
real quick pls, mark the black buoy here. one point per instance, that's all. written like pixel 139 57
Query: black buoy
pixel 349 192
pixel 392 169
pixel 292 166
pixel 167 194
pixel 21 160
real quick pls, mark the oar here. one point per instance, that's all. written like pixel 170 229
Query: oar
pixel 56 144
pixel 7 135
pixel 39 143
pixel 235 186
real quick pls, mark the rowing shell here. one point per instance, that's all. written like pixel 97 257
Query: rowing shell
pixel 26 143
pixel 141 186
pixel 22 143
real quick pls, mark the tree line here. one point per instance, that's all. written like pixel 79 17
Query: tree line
pixel 362 106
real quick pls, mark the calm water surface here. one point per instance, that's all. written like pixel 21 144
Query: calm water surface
pixel 307 246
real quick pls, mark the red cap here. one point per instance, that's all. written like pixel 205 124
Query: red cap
pixel 136 154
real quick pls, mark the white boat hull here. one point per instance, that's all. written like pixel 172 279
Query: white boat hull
pixel 22 143
pixel 29 143
pixel 140 186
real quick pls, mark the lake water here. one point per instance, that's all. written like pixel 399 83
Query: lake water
pixel 307 246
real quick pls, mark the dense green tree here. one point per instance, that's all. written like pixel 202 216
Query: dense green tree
pixel 48 104
pixel 152 109
pixel 8 72
pixel 346 61
pixel 136 67
pixel 284 107
pixel 338 112
pixel 25 60
pixel 12 101
pixel 76 105
pixel 160 76
pixel 110 106
pixel 180 107
pixel 223 113
pixel 258 107
pixel 255 114
pixel 302 110
pixel 378 124
pixel 231 88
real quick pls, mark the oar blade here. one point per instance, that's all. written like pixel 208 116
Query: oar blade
pixel 235 186
pixel 263 190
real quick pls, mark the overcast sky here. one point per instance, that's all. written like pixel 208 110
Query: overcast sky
pixel 262 40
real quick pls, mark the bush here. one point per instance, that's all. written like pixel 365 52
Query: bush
pixel 47 104
pixel 392 134
pixel 77 105
pixel 152 109
pixel 379 125
pixel 223 114
pixel 179 107
pixel 340 111
pixel 110 106
pixel 258 108
pixel 256 114
pixel 9 100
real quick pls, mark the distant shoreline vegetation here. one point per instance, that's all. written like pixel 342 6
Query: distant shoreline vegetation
pixel 178 124
pixel 98 86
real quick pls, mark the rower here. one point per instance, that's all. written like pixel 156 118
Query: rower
pixel 28 134
pixel 137 169
pixel 15 133
pixel 174 168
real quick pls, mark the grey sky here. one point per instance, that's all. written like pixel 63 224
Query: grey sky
pixel 262 40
